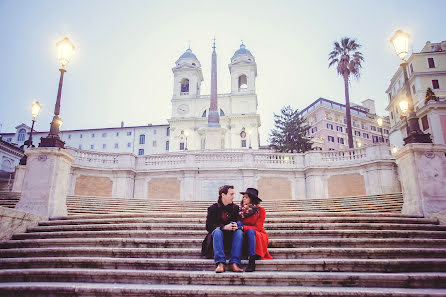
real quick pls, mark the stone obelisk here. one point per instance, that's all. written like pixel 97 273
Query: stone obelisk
pixel 214 132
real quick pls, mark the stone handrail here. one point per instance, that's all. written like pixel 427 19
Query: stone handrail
pixel 229 159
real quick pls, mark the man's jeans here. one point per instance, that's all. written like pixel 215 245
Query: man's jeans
pixel 236 250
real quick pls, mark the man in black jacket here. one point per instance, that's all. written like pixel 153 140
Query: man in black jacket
pixel 223 232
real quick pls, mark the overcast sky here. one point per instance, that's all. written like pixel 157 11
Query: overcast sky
pixel 125 51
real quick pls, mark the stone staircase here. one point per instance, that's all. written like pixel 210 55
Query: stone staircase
pixel 351 246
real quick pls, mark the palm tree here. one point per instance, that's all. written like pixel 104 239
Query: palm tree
pixel 348 61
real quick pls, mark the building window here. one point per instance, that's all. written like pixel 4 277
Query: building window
pixel 365 135
pixel 80 146
pixel 9 139
pixel 387 140
pixel 21 137
pixel 154 143
pixel 129 144
pixel 81 136
pixel 69 136
pixel 373 128
pixel 222 113
pixel 204 114
pixel 154 132
pixel 167 145
pixel 330 126
pixel 357 133
pixel 117 133
pixel 92 135
pixel 181 146
pixel 242 82
pixel 168 131
pixel 104 146
pixel 340 140
pixel 375 139
pixel 339 128
pixel 435 84
pixel 424 123
pixel 92 146
pixel 142 139
pixel 184 85
pixel 386 131
pixel 331 138
pixel 431 62
pixel 141 152
pixel 345 121
pixel 104 134
pixel 314 129
pixel 129 133
pixel 243 142
pixel 116 145
pixel 331 149
pixel 318 148
pixel 411 68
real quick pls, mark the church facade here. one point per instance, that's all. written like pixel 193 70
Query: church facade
pixel 237 111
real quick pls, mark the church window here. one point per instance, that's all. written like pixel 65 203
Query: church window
pixel 181 146
pixel 243 142
pixel 222 113
pixel 167 145
pixel 204 114
pixel 184 85
pixel 242 82
pixel 21 136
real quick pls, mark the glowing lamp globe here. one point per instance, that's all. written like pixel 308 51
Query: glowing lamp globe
pixel 400 42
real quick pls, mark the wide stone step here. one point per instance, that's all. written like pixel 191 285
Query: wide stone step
pixel 195 243
pixel 271 233
pixel 311 265
pixel 268 227
pixel 272 220
pixel 339 279
pixel 194 253
pixel 45 289
pixel 182 214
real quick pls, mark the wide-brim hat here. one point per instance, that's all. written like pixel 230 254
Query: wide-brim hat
pixel 253 194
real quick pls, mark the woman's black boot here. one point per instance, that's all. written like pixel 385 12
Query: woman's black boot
pixel 251 264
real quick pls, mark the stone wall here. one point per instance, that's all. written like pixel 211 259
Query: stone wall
pixel 162 188
pixel 346 185
pixel 275 188
pixel 93 186
pixel 14 221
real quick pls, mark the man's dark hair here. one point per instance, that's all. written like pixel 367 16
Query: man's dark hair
pixel 224 190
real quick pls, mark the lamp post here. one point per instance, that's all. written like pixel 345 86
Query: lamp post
pixel 249 135
pixel 400 42
pixel 35 109
pixel 186 133
pixel 65 51
pixel 380 124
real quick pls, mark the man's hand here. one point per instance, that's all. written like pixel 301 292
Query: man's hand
pixel 230 227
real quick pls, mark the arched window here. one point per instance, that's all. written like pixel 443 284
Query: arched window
pixel 21 137
pixel 222 113
pixel 184 85
pixel 7 165
pixel 204 114
pixel 242 82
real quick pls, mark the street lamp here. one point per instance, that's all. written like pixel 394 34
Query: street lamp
pixel 35 109
pixel 186 133
pixel 380 124
pixel 400 42
pixel 65 51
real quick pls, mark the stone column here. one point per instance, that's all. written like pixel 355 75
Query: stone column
pixel 18 178
pixel 45 186
pixel 422 169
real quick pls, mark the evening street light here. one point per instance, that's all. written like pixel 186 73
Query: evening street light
pixel 35 109
pixel 380 124
pixel 400 42
pixel 65 50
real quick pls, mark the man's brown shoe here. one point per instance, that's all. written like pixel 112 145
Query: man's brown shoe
pixel 220 268
pixel 234 267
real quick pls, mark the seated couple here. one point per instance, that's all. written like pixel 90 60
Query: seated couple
pixel 227 224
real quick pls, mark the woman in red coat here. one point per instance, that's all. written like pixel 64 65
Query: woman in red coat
pixel 252 216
